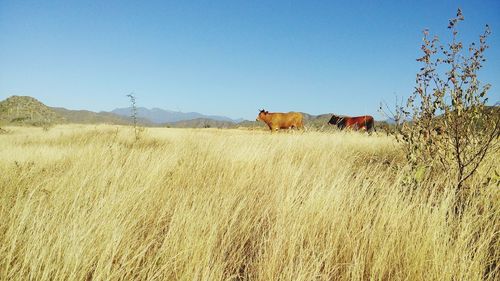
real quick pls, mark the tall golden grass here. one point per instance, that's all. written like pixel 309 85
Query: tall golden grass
pixel 91 203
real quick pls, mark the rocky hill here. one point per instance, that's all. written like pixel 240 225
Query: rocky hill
pixel 27 110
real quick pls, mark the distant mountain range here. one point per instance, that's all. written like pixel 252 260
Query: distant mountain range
pixel 28 110
pixel 161 116
pixel 90 117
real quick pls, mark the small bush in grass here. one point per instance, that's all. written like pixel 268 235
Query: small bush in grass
pixel 133 115
pixel 446 125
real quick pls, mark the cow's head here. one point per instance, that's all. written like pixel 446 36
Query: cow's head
pixel 262 114
pixel 334 120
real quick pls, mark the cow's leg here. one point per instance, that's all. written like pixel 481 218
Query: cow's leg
pixel 300 126
pixel 371 127
pixel 368 130
pixel 270 127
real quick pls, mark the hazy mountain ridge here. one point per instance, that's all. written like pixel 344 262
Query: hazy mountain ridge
pixel 29 111
pixel 90 117
pixel 160 116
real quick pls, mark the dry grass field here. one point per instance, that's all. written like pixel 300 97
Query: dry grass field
pixel 90 203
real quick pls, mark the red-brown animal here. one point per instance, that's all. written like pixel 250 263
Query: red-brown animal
pixel 356 123
pixel 276 121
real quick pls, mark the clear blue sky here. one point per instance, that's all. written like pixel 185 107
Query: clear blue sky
pixel 228 57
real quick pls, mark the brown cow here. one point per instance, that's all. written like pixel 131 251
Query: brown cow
pixel 276 121
pixel 359 122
